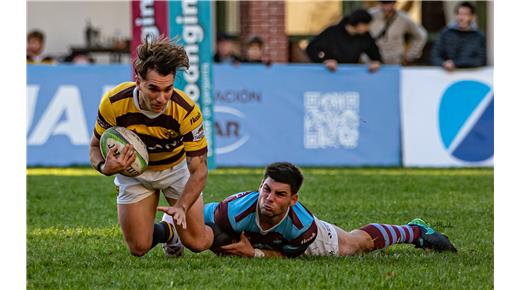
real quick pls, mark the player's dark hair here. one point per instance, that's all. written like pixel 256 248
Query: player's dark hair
pixel 357 17
pixel 36 34
pixel 466 4
pixel 160 54
pixel 287 173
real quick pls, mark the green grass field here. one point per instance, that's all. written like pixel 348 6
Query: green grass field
pixel 74 241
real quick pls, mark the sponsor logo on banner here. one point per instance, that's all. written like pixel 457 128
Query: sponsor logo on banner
pixel 229 128
pixel 149 18
pixel 331 120
pixel 64 115
pixel 466 120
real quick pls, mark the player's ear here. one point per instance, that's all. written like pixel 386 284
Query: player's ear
pixel 260 186
pixel 294 199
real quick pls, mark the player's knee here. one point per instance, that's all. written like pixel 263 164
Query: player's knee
pixel 138 249
pixel 353 244
pixel 196 245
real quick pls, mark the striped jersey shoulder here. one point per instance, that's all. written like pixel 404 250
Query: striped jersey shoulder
pixel 180 98
pixel 122 91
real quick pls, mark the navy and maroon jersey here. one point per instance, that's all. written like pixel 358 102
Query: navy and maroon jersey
pixel 238 213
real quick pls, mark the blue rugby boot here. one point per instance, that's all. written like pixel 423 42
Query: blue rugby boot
pixel 431 239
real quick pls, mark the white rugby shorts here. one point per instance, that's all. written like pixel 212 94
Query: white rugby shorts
pixel 326 242
pixel 170 181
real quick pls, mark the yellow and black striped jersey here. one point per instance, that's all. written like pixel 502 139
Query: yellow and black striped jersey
pixel 169 136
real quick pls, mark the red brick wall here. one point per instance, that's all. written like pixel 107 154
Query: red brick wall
pixel 267 20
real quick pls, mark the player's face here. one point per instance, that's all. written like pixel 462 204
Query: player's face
pixel 275 198
pixel 156 90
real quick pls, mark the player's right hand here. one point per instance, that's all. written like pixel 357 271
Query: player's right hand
pixel 118 161
pixel 178 214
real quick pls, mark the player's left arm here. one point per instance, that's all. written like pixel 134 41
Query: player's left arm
pixel 198 167
pixel 243 248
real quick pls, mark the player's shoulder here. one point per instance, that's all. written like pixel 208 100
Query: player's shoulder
pixel 122 91
pixel 182 99
pixel 242 196
pixel 301 217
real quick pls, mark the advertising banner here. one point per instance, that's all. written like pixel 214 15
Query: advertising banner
pixel 190 23
pixel 306 115
pixel 62 104
pixel 149 17
pixel 447 118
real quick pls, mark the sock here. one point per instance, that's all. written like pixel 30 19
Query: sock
pixel 385 235
pixel 162 232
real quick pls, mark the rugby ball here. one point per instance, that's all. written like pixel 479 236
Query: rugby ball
pixel 118 137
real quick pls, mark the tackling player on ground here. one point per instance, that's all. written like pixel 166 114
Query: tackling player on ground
pixel 272 222
pixel 170 124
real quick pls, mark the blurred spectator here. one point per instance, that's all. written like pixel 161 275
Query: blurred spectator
pixel 255 51
pixel 460 44
pixel 225 51
pixel 345 42
pixel 79 58
pixel 35 44
pixel 389 28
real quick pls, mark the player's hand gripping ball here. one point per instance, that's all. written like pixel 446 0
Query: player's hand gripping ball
pixel 118 137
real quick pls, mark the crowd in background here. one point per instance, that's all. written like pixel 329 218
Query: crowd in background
pixel 375 36
pixel 380 35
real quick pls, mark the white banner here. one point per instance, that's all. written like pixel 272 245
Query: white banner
pixel 447 118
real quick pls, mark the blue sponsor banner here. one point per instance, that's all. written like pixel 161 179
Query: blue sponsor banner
pixel 298 113
pixel 190 23
pixel 307 115
pixel 62 103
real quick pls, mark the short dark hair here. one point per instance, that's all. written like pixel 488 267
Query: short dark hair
pixel 160 54
pixel 222 36
pixel 357 17
pixel 466 4
pixel 36 34
pixel 255 40
pixel 285 172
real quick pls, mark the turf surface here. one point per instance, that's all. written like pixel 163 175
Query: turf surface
pixel 74 241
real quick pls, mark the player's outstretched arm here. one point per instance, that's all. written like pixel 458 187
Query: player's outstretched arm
pixel 243 248
pixel 198 166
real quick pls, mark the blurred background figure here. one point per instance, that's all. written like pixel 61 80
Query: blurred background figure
pixel 345 42
pixel 390 28
pixel 225 50
pixel 79 58
pixel 255 51
pixel 460 44
pixel 35 45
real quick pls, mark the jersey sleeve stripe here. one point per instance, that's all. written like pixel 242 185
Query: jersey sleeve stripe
pixel 97 134
pixel 177 98
pixel 197 152
pixel 222 218
pixel 102 122
pixel 123 94
pixel 251 209
pixel 295 220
